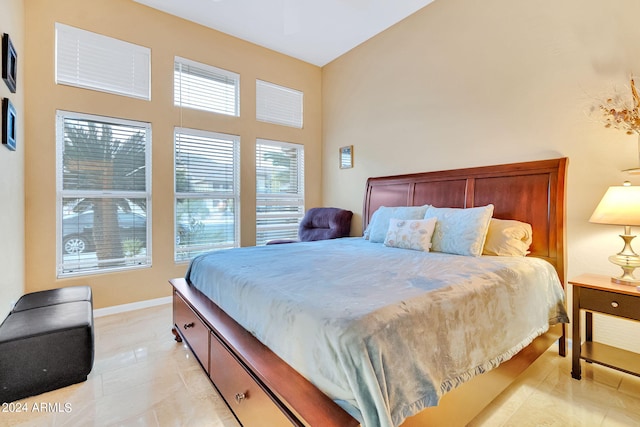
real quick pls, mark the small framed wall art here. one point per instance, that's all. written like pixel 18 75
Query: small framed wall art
pixel 9 63
pixel 346 157
pixel 8 125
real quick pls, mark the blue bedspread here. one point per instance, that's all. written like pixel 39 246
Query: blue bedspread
pixel 384 332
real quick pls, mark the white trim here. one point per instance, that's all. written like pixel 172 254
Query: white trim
pixel 117 309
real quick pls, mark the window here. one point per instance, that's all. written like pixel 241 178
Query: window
pixel 93 61
pixel 279 190
pixel 206 191
pixel 278 104
pixel 204 87
pixel 103 194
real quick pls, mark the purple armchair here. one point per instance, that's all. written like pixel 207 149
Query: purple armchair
pixel 322 224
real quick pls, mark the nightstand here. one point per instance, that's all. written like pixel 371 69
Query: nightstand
pixel 596 293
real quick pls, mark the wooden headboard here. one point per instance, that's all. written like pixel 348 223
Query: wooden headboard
pixel 532 192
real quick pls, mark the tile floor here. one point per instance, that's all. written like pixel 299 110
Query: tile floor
pixel 142 377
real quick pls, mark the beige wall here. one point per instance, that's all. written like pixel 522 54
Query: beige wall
pixel 465 83
pixel 12 171
pixel 167 37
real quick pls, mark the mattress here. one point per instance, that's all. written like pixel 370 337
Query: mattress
pixel 384 332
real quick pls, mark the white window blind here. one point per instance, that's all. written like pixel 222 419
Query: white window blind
pixel 207 192
pixel 205 87
pixel 278 104
pixel 93 61
pixel 103 194
pixel 279 190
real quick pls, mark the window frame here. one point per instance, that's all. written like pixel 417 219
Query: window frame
pixel 206 195
pixel 274 197
pixel 61 194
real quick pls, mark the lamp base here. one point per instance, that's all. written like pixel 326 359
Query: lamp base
pixel 628 260
pixel 623 281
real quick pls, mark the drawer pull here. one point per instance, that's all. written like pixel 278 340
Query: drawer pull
pixel 189 325
pixel 614 304
pixel 240 397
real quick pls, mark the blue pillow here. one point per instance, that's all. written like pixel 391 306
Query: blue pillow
pixel 460 231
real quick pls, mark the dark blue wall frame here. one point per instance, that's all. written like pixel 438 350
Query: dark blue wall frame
pixel 9 63
pixel 8 124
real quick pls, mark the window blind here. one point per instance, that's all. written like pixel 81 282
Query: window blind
pixel 205 87
pixel 279 190
pixel 207 192
pixel 93 61
pixel 103 193
pixel 278 104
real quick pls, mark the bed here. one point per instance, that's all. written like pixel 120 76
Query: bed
pixel 344 350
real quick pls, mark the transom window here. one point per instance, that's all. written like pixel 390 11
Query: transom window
pixel 279 104
pixel 205 87
pixel 94 61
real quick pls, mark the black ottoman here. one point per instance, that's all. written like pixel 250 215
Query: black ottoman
pixel 45 348
pixel 53 296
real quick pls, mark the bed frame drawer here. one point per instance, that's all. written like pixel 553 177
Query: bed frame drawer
pixel 193 330
pixel 249 401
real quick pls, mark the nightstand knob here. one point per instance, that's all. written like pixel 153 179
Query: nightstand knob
pixel 614 304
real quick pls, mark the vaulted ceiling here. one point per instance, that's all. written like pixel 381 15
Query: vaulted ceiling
pixel 315 31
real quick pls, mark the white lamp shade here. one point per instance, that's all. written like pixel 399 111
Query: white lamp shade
pixel 620 205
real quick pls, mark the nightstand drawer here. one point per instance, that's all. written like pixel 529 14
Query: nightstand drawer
pixel 610 303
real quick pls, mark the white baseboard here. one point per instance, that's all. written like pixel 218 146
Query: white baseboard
pixel 100 312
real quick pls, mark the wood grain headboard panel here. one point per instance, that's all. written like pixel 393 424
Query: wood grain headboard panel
pixel 532 192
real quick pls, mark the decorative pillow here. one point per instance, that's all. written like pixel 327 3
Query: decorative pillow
pixel 410 233
pixel 460 231
pixel 507 237
pixel 380 219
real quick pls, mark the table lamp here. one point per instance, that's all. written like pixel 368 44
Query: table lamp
pixel 620 205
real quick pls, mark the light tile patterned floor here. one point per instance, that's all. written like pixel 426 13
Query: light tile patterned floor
pixel 142 377
pixel 546 395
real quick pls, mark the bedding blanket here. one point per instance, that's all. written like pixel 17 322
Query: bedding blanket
pixel 384 332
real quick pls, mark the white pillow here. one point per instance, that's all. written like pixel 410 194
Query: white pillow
pixel 508 237
pixel 377 229
pixel 410 233
pixel 460 231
